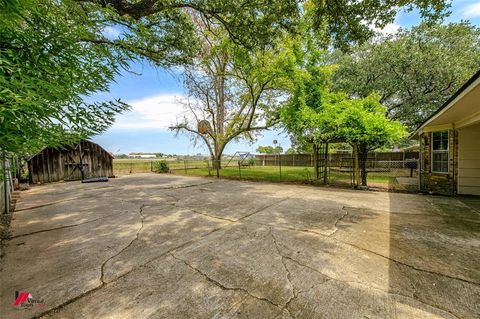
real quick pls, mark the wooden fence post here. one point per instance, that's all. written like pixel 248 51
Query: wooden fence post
pixel 5 185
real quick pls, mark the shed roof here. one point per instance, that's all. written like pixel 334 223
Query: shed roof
pixel 67 147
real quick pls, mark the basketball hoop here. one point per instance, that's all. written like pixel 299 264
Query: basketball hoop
pixel 204 127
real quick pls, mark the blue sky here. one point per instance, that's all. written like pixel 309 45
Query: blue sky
pixel 155 93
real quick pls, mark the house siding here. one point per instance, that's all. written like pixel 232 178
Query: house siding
pixel 469 160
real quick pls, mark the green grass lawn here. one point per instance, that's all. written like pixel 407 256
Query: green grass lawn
pixel 131 166
pixel 257 173
pixel 288 174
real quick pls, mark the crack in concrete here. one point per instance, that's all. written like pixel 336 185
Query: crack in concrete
pixel 281 307
pixel 223 218
pixel 196 211
pixel 338 220
pixel 413 297
pixel 208 215
pixel 66 303
pixel 137 235
pixel 262 209
pixel 102 269
pixel 410 266
pixel 185 186
pixel 63 227
pixel 223 286
pixel 368 287
pixel 47 204
pixel 104 284
pixel 293 296
pixel 370 251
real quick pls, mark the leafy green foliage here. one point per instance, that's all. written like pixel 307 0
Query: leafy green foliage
pixel 55 54
pixel 45 75
pixel 161 167
pixel 256 23
pixel 344 22
pixel 250 23
pixel 315 114
pixel 364 122
pixel 270 149
pixel 414 71
pixel 235 90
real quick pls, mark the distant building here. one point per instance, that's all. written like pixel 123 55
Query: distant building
pixel 141 155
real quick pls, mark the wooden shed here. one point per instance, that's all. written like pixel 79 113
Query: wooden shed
pixel 65 163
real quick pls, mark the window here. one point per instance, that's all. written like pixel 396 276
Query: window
pixel 440 152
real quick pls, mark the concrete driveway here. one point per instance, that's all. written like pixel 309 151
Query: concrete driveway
pixel 163 246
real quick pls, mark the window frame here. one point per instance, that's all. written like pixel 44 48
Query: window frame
pixel 432 151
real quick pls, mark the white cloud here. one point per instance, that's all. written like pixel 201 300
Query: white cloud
pixel 472 10
pixel 152 112
pixel 110 32
pixel 390 28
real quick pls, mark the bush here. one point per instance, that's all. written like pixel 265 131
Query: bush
pixel 251 161
pixel 161 167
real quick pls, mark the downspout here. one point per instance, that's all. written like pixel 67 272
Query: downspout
pixel 420 161
pixel 454 145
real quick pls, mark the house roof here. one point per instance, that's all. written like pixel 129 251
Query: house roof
pixel 472 83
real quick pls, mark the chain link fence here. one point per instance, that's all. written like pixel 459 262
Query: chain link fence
pixel 336 169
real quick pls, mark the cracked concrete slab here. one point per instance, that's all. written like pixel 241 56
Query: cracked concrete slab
pixel 167 288
pixel 242 256
pixel 228 199
pixel 318 215
pixel 62 263
pixel 448 239
pixel 165 246
pixel 165 228
pixel 355 266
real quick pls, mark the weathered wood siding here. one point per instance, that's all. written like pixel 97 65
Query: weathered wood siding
pixel 63 164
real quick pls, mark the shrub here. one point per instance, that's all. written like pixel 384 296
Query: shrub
pixel 161 167
pixel 251 161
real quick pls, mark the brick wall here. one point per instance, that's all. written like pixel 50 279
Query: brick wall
pixel 439 183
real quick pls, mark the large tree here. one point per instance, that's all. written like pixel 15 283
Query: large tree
pixel 315 114
pixel 54 53
pixel 414 71
pixel 232 92
pixel 256 22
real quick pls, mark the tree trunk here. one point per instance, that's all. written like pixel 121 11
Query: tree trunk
pixel 217 161
pixel 356 167
pixel 315 160
pixel 363 154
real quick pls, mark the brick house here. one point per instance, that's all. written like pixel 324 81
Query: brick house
pixel 450 144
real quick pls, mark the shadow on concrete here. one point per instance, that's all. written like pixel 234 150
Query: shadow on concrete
pixel 435 254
